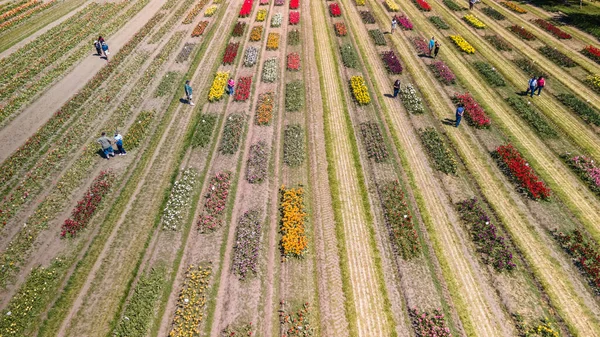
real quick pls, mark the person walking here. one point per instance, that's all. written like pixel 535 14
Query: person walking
pixel 459 113
pixel 471 4
pixel 396 88
pixel 106 145
pixel 230 86
pixel 119 142
pixel 541 82
pixel 98 47
pixel 532 86
pixel 100 39
pixel 436 50
pixel 105 50
pixel 188 92
pixel 394 24
pixel 431 45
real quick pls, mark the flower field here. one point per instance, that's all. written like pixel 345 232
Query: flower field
pixel 294 149
pixel 474 21
pixel 411 100
pixel 174 211
pixel 518 168
pixel 230 52
pixel 242 91
pixel 592 52
pixel 399 221
pixel 258 160
pixel 232 133
pixel 552 29
pixel 513 7
pixel 294 96
pixel 273 41
pixel 442 158
pixel 359 90
pixel 269 74
pixel 373 140
pixel 340 29
pixel 192 298
pixel 215 202
pixel 462 44
pixel 293 222
pixel 245 256
pixel 474 112
pixel 264 108
pixel 217 89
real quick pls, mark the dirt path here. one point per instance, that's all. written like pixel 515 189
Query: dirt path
pixel 15 133
pixel 571 306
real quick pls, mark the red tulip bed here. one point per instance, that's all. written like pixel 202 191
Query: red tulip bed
pixel 552 29
pixel 246 8
pixel 294 17
pixel 216 200
pixel 475 114
pixel 427 324
pixel 334 10
pixel 592 52
pixel 490 245
pixel 242 91
pixel 340 29
pixel 423 5
pixel 392 63
pixel 522 32
pixel 86 207
pixel 587 170
pixel 230 53
pixel 584 252
pixel 293 61
pixel 405 22
pixel 517 167
pixel 399 220
pixel 294 4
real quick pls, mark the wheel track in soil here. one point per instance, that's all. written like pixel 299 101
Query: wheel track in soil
pixel 179 131
pixel 585 204
pixel 371 317
pixel 537 252
pixel 485 309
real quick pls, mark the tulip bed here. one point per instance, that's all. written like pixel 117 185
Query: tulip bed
pixel 360 2
pixel 374 142
pixel 261 15
pixel 442 72
pixel 191 302
pixel 242 91
pixel 14 20
pixel 269 73
pixel 294 4
pixel 258 162
pixel 593 81
pixel 239 29
pixel 529 67
pixel 273 41
pixel 492 13
pixel 443 160
pixel 216 200
pixel 199 29
pixel 179 200
pixel 349 56
pixel 522 32
pixel 359 90
pixel 427 324
pixel 250 56
pixel 334 10
pixel 294 96
pixel 194 12
pixel 295 324
pixel 498 42
pixel 515 166
pixel 185 52
pixel 392 6
pixel 294 150
pixel 438 22
pixel 217 89
pixel 256 33
pixel 453 6
pixel 592 52
pixel 17 8
pixel 279 2
pixel 232 133
pixel 474 21
pixel 247 245
pixel 166 84
pixel 405 22
pixel 462 44
pixel 246 8
pixel 264 2
pixel 340 29
pixel 587 113
pixel 557 57
pixel 294 242
pixel 293 37
pixel 138 130
pixel 210 11
pixel 86 207
pixel 392 63
pixel 490 74
pixel 513 7
pixel 411 100
pixel 531 116
pixel 587 170
pixel 264 108
pixel 585 253
pixel 230 53
pixel 377 37
pixel 475 114
pixel 276 20
pixel 423 5
pixel 552 29
pixel 420 45
pixel 367 17
pixel 204 130
pixel 294 17
pixel 293 62
pixel 484 233
pixel 399 220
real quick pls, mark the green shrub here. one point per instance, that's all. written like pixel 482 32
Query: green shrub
pixel 489 73
pixel 204 130
pixel 492 13
pixel 443 160
pixel 378 37
pixel 294 96
pixel 294 151
pixel 232 133
pixel 349 57
pixel 586 112
pixel 537 122
pixel 438 22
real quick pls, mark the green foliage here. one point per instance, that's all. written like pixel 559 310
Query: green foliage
pixel 293 37
pixel 530 68
pixel 498 42
pixel 492 13
pixel 378 37
pixel 294 96
pixel 204 130
pixel 232 133
pixel 349 56
pixel 557 57
pixel 586 112
pixel 453 6
pixel 438 22
pixel 490 74
pixel 443 160
pixel 294 151
pixel 535 120
pixel 166 84
pixel 374 143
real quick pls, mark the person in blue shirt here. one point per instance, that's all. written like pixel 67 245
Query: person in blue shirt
pixel 431 45
pixel 459 113
pixel 188 92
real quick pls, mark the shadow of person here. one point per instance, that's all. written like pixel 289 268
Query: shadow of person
pixel 183 100
pixel 388 95
pixel 448 121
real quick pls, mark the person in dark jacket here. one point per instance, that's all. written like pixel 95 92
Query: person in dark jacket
pixel 396 88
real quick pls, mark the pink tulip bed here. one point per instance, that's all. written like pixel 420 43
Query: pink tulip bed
pixel 429 324
pixel 216 200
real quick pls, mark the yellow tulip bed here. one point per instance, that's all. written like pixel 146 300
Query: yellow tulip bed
pixel 360 2
pixel 473 21
pixel 392 6
pixel 463 44
pixel 191 302
pixel 261 15
pixel 594 82
pixel 210 11
pixel 513 7
pixel 359 89
pixel 273 41
pixel 256 33
pixel 218 86
pixel 293 241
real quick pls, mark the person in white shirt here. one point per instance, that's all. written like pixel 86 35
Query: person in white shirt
pixel 119 142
